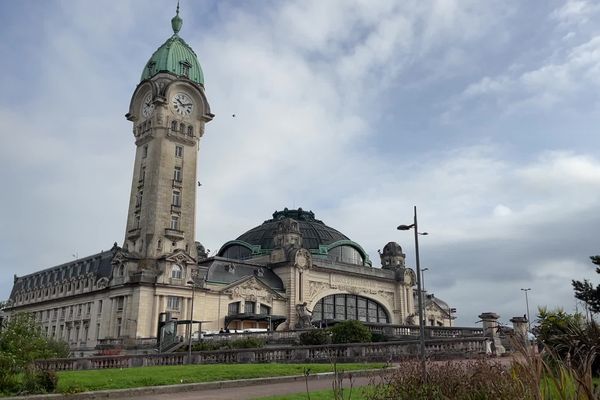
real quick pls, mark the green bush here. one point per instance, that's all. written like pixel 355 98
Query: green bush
pixel 21 342
pixel 206 346
pixel 379 337
pixel 350 332
pixel 315 337
pixel 247 343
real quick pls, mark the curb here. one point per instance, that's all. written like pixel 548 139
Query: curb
pixel 191 387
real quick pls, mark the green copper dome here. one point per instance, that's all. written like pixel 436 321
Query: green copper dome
pixel 175 57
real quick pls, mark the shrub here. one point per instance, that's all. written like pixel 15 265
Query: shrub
pixel 247 343
pixel 314 337
pixel 350 332
pixel 378 337
pixel 21 342
pixel 471 380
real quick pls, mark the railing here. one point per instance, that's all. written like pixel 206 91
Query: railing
pixel 127 343
pixel 359 352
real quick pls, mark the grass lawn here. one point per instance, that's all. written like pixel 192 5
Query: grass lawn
pixel 82 381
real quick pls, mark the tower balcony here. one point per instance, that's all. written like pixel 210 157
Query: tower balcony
pixel 174 234
pixel 177 183
pixel 133 233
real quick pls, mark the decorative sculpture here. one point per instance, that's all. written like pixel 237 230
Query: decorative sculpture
pixel 304 316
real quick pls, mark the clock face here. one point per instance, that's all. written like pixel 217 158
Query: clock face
pixel 182 104
pixel 147 106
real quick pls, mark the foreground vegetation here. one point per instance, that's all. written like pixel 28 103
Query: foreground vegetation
pixel 81 381
pixel 21 342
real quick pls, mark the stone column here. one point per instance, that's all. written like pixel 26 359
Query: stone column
pixel 520 330
pixel 490 330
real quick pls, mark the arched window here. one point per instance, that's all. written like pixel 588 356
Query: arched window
pixel 173 125
pixel 190 131
pixel 346 254
pixel 176 272
pixel 182 128
pixel 342 307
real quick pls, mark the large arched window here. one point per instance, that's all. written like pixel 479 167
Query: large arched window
pixel 348 306
pixel 346 254
pixel 237 252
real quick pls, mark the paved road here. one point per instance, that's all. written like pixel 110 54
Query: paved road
pixel 253 392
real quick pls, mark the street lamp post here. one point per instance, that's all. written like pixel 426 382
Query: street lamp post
pixel 423 294
pixel 527 304
pixel 191 282
pixel 414 226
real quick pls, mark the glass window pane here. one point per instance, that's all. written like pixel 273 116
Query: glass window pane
pixel 317 312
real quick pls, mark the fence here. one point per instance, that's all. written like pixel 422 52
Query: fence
pixel 360 352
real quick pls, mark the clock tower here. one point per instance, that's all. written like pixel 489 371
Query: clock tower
pixel 168 111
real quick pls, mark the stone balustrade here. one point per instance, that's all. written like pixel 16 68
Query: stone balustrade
pixel 359 352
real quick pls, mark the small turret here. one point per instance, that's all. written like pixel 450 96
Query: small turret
pixel 392 256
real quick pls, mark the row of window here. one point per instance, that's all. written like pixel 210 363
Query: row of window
pixel 182 128
pixel 69 333
pixel 178 151
pixel 57 289
pixel 80 311
pixel 249 308
pixel 63 273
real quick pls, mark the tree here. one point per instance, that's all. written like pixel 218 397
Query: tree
pixel 21 342
pixel 350 331
pixel 586 292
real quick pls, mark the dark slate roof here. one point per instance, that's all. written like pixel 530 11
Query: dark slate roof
pixel 99 265
pixel 314 232
pixel 224 270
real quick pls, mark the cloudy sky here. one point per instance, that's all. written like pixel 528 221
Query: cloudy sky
pixel 483 114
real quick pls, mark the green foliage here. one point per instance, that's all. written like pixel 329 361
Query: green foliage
pixel 314 337
pixel 350 331
pixel 21 342
pixel 212 345
pixel 379 337
pixel 569 338
pixel 586 292
pixel 247 343
pixel 452 380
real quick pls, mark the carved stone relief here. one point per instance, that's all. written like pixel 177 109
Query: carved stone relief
pixel 250 290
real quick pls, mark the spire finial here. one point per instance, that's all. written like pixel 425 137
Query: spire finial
pixel 176 22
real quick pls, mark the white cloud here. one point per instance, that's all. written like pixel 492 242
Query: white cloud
pixel 309 84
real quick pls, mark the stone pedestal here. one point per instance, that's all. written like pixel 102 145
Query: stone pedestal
pixel 520 330
pixel 490 330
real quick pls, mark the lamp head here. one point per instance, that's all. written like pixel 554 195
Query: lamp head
pixel 405 227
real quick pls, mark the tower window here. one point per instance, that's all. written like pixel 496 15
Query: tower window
pixel 185 69
pixel 177 174
pixel 182 128
pixel 145 151
pixel 176 272
pixel 173 125
pixel 137 221
pixel 138 199
pixel 190 131
pixel 178 151
pixel 176 198
pixel 174 222
pixel 142 174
